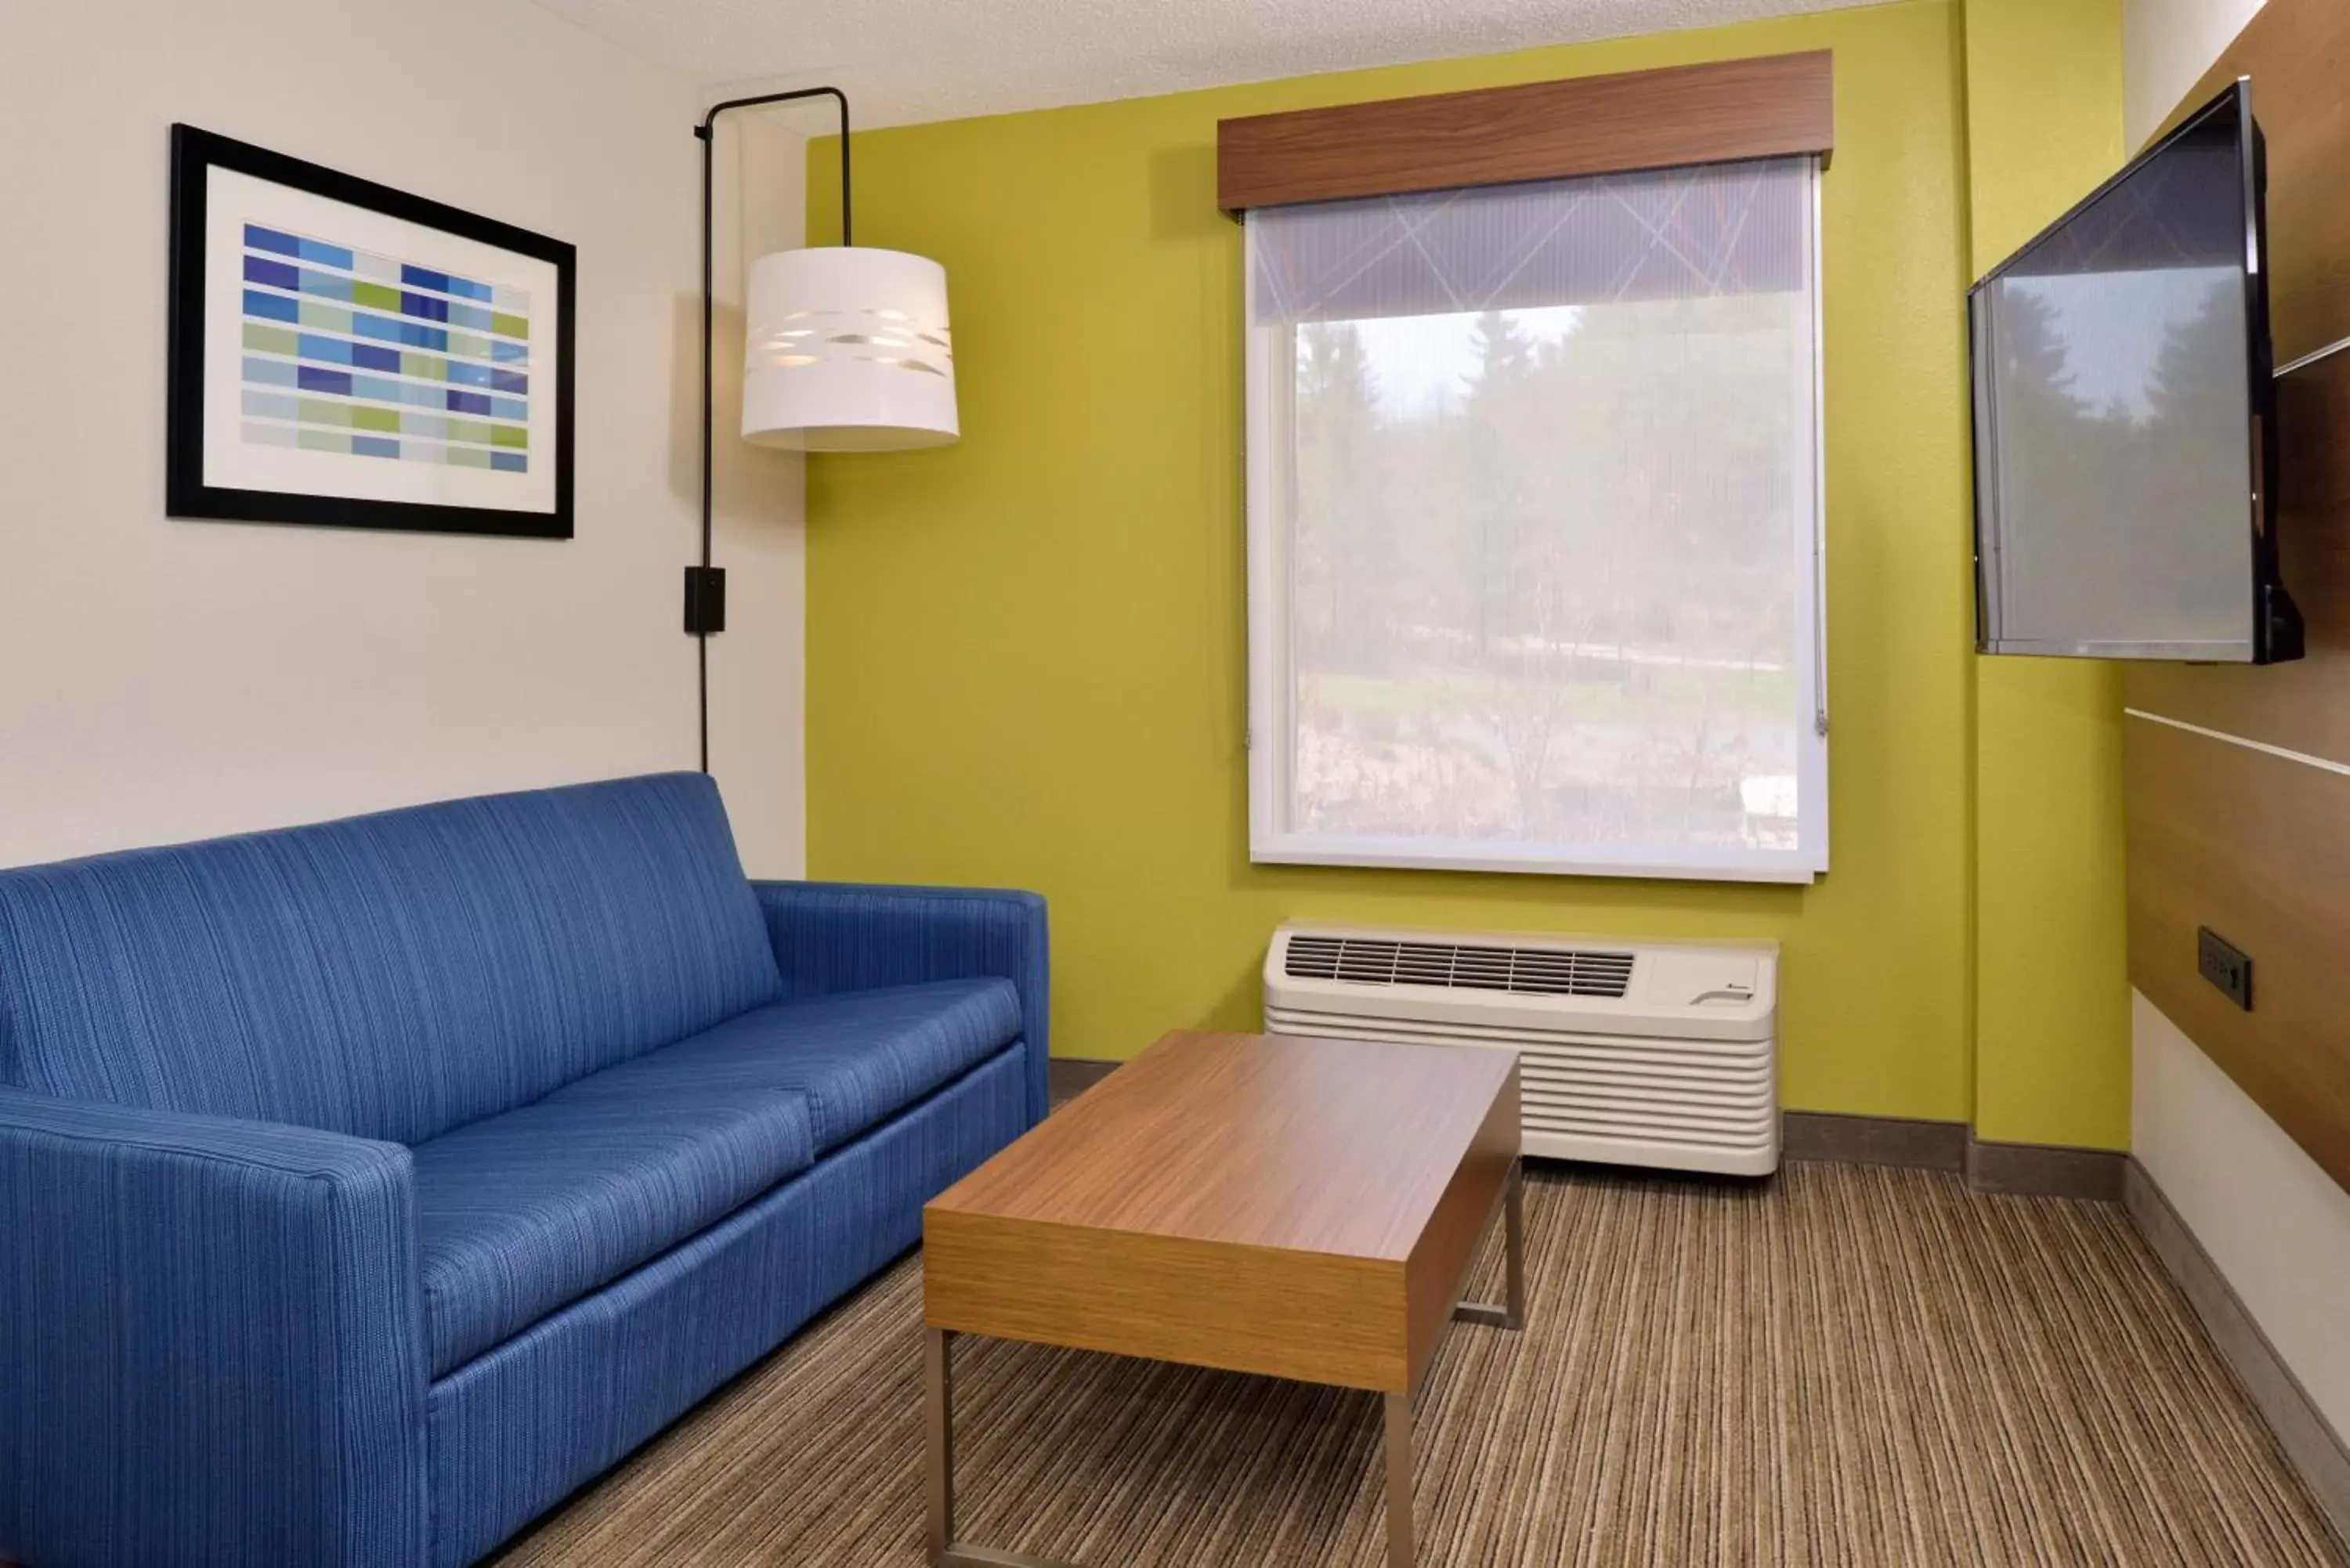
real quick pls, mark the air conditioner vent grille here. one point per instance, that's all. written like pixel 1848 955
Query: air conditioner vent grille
pixel 1527 971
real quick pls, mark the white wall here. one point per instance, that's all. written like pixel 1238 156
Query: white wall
pixel 2274 1223
pixel 756 692
pixel 2167 45
pixel 163 680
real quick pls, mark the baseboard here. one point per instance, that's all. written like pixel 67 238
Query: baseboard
pixel 1838 1139
pixel 2045 1170
pixel 2310 1443
pixel 1070 1076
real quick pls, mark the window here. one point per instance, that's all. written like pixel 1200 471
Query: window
pixel 1533 527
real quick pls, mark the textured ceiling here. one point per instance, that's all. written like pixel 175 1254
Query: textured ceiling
pixel 906 60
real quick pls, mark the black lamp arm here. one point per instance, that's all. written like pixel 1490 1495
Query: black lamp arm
pixel 705 586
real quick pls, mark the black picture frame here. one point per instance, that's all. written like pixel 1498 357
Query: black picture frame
pixel 195 154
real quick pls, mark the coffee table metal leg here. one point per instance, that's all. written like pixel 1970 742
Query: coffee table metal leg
pixel 1398 1459
pixel 1514 1244
pixel 1512 1312
pixel 938 1421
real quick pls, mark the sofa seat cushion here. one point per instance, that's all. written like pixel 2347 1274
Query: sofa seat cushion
pixel 859 1057
pixel 521 1214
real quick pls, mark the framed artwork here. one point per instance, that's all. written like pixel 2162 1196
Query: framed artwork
pixel 348 355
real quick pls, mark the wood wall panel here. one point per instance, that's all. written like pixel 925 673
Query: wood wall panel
pixel 1774 105
pixel 2297 53
pixel 2254 845
pixel 2258 848
pixel 2303 706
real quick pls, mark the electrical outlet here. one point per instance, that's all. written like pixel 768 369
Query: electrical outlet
pixel 2225 966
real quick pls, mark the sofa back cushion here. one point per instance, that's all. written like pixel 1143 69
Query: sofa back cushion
pixel 389 976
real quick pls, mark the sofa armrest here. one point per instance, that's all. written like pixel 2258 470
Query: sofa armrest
pixel 843 936
pixel 212 1346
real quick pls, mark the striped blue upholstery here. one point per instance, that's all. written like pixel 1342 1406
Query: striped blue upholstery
pixel 833 936
pixel 389 976
pixel 211 1353
pixel 513 1431
pixel 857 1057
pixel 292 1339
pixel 528 1211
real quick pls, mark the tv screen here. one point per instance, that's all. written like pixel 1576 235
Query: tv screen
pixel 2123 444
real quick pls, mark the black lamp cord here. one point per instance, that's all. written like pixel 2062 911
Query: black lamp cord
pixel 701 628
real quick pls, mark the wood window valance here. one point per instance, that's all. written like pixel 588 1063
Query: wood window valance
pixel 1775 106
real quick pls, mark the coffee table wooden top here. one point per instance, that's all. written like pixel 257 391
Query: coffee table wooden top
pixel 1265 1203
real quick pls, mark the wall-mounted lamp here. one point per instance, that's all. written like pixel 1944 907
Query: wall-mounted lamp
pixel 845 349
pixel 847 352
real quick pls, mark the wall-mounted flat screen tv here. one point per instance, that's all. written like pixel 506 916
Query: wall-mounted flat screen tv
pixel 2125 441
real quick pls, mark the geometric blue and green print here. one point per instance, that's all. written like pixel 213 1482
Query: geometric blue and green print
pixel 348 352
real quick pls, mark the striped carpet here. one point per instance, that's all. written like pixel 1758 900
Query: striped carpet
pixel 1850 1364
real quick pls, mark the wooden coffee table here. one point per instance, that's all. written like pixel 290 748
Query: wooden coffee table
pixel 1289 1207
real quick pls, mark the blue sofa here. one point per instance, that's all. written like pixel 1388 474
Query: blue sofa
pixel 366 1187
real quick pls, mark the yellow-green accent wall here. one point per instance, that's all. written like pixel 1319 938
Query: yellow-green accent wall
pixel 1026 651
pixel 2052 988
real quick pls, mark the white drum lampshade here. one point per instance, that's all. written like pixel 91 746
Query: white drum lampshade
pixel 847 351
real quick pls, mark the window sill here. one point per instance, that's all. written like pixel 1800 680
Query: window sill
pixel 1782 867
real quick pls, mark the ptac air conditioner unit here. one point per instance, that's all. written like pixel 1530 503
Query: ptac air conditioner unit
pixel 1651 1053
